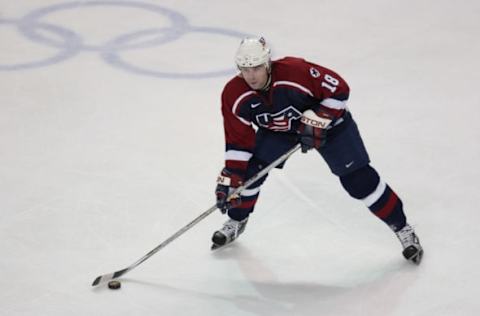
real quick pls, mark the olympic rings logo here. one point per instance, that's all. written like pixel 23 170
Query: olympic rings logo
pixel 69 43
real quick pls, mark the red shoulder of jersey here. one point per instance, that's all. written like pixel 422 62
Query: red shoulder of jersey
pixel 233 90
pixel 322 83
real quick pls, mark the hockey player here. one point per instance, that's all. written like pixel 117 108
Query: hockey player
pixel 292 100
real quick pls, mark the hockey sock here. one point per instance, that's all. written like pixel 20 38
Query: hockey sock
pixel 365 184
pixel 386 205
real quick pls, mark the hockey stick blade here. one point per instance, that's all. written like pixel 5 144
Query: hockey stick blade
pixel 108 277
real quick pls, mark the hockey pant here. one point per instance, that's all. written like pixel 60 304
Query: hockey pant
pixel 347 158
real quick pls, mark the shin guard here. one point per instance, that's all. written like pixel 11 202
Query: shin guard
pixel 366 185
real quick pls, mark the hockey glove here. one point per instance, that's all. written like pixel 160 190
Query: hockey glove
pixel 227 182
pixel 312 130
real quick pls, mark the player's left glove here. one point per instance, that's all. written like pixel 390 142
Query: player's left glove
pixel 312 130
pixel 227 182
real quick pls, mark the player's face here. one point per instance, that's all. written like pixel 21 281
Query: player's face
pixel 256 77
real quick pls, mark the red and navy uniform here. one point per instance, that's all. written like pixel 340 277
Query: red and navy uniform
pixel 296 85
pixel 262 125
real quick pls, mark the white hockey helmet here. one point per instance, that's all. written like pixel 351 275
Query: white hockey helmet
pixel 253 52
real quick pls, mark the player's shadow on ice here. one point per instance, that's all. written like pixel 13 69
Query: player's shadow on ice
pixel 311 297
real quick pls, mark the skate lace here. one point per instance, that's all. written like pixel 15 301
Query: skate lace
pixel 406 236
pixel 231 227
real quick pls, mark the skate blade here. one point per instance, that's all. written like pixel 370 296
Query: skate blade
pixel 417 259
pixel 215 247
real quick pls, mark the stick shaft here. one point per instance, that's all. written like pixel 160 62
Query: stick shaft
pixel 249 182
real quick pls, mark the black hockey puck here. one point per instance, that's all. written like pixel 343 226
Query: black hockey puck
pixel 114 285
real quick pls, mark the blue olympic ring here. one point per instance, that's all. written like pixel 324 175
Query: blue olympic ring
pixel 71 43
pixel 114 58
pixel 68 51
pixel 178 28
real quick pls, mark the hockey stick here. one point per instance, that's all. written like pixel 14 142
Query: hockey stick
pixel 249 182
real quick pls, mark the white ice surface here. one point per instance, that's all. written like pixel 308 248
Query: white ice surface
pixel 99 164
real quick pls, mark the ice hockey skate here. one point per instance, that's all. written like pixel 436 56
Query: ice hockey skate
pixel 412 250
pixel 229 232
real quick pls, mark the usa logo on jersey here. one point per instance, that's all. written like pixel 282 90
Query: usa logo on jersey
pixel 280 121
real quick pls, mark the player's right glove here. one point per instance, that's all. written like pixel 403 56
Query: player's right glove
pixel 227 182
pixel 312 130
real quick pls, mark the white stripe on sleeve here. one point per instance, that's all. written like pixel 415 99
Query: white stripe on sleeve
pixel 237 155
pixel 334 104
pixel 237 102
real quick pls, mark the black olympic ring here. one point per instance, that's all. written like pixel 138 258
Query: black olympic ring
pixel 71 43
